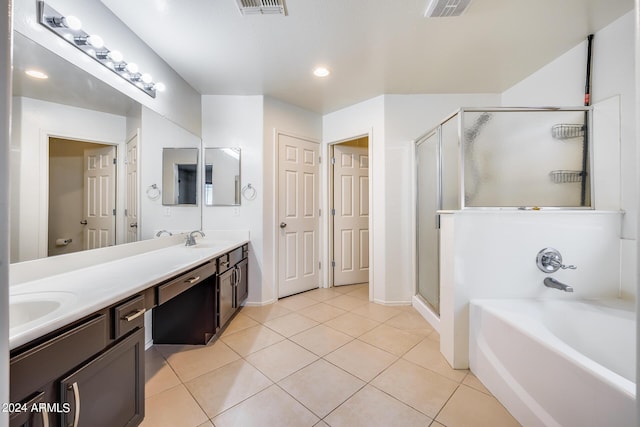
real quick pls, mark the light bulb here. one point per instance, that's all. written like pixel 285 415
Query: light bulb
pixel 95 41
pixel 147 78
pixel 132 67
pixel 36 74
pixel 115 56
pixel 321 72
pixel 72 22
pixel 160 87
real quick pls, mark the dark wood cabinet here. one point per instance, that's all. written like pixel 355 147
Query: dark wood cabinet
pixel 242 280
pixel 108 391
pixel 226 291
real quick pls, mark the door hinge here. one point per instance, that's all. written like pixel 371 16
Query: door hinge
pixel 333 212
pixel 333 160
pixel 333 264
pixel 319 159
pixel 319 265
pixel 115 160
pixel 319 212
pixel 114 212
pixel 125 212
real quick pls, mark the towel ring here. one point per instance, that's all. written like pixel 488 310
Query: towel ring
pixel 249 192
pixel 153 192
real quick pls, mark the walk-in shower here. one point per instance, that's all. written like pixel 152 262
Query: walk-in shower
pixel 488 158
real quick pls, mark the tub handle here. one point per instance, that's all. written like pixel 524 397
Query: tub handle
pixel 549 260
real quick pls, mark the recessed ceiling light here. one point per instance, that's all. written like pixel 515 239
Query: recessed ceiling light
pixel 321 72
pixel 36 74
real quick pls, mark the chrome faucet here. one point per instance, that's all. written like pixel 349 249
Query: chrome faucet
pixel 549 260
pixel 191 239
pixel 159 233
pixel 550 282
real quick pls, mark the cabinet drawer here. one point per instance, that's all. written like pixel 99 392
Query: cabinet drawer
pixel 128 316
pixel 49 360
pixel 245 251
pixel 182 283
pixel 223 263
pixel 235 256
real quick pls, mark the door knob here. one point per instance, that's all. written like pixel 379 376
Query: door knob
pixel 83 222
pixel 283 224
pixel 133 225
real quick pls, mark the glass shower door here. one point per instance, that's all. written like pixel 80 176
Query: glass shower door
pixel 427 204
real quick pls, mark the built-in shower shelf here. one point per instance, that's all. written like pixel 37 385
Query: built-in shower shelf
pixel 567 131
pixel 565 176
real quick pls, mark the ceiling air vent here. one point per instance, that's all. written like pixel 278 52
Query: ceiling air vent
pixel 261 7
pixel 446 8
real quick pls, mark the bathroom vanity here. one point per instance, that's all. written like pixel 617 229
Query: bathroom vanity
pixel 82 363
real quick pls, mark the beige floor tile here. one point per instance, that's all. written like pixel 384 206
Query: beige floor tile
pixel 436 424
pixel 322 294
pixel 434 336
pixel 252 339
pixel 410 322
pixel 378 312
pixel 419 388
pixel 427 354
pixel 321 312
pixel 158 374
pixel 270 407
pixel 469 407
pixel 473 382
pixel 281 360
pixel 239 322
pixel 370 407
pixel 361 359
pixel 265 312
pixel 321 387
pixel 391 339
pixel 361 293
pixel 225 387
pixel 321 424
pixel 345 289
pixel 290 324
pixel 207 424
pixel 296 302
pixel 352 324
pixel 321 339
pixel 173 408
pixel 346 302
pixel 191 361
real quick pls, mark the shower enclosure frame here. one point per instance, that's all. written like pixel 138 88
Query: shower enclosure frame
pixel 460 173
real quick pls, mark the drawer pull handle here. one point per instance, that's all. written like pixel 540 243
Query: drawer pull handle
pixel 193 280
pixel 225 263
pixel 134 314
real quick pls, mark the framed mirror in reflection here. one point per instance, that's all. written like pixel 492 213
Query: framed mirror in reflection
pixel 222 181
pixel 180 176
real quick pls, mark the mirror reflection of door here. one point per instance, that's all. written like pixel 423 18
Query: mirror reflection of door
pixel 82 196
pixel 186 183
pixel 131 209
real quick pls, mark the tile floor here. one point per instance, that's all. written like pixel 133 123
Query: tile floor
pixel 326 357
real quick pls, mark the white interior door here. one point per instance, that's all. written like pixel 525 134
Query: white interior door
pixel 351 219
pixel 99 197
pixel 131 209
pixel 298 203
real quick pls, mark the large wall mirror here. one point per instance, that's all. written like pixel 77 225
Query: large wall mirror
pixel 180 176
pixel 222 183
pixel 61 125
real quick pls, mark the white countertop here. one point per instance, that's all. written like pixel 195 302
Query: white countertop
pixel 80 292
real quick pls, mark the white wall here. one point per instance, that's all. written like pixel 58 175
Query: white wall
pixel 33 122
pixel 5 107
pixel 179 103
pixel 492 254
pixel 562 81
pixel 157 132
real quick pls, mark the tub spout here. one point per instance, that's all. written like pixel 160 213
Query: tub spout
pixel 550 282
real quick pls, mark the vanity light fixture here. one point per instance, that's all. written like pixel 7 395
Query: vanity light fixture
pixel 69 29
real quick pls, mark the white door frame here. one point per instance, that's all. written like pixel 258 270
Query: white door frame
pixel 328 223
pixel 275 204
pixel 43 213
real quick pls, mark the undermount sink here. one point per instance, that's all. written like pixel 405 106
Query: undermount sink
pixel 29 307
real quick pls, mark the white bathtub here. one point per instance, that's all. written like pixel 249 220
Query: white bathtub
pixel 557 362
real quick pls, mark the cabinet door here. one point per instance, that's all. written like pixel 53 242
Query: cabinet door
pixel 226 287
pixel 108 391
pixel 242 288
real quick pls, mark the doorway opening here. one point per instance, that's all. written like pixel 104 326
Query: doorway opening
pixel 82 196
pixel 349 220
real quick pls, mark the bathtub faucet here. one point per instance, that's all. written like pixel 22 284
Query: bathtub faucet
pixel 550 282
